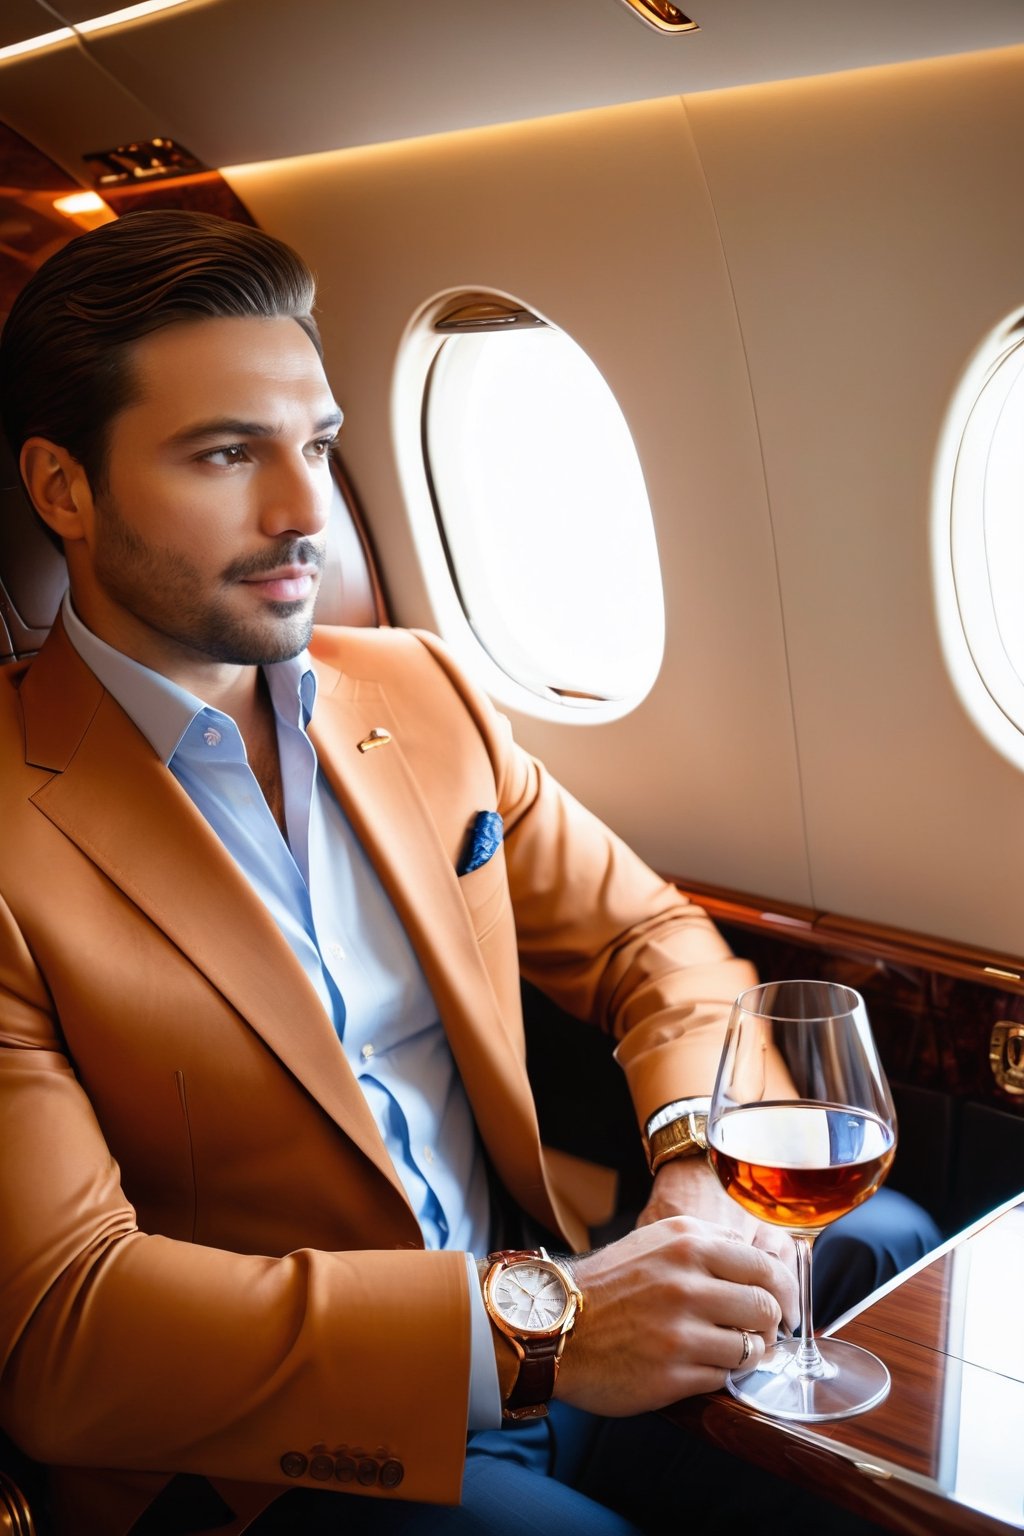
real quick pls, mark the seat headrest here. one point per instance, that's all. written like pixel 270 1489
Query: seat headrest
pixel 33 574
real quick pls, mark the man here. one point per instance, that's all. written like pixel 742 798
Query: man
pixel 262 1086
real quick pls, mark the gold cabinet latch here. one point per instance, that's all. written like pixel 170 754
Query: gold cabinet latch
pixel 1006 1055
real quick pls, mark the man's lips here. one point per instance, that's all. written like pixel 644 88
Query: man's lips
pixel 286 583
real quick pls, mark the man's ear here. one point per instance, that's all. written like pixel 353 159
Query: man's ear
pixel 58 486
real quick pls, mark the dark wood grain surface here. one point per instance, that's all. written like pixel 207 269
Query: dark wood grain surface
pixel 943 1454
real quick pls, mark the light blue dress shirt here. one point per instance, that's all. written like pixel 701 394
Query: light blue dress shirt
pixel 327 901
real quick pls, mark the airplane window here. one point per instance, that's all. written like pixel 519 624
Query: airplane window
pixel 984 539
pixel 543 513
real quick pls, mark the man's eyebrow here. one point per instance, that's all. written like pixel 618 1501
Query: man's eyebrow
pixel 232 427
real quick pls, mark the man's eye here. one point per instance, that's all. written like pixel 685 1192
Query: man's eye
pixel 234 453
pixel 321 447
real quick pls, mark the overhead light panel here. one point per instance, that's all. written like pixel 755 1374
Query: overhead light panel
pixel 662 15
pixel 35 44
pixel 127 13
pixel 94 24
pixel 149 160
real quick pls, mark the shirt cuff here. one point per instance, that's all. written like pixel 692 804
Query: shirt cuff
pixel 484 1392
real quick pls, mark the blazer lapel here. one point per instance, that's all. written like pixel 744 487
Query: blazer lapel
pixel 380 794
pixel 111 795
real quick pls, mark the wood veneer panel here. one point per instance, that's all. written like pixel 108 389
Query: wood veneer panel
pixel 853 936
pixel 899 1463
pixel 907 1427
pixel 917 1311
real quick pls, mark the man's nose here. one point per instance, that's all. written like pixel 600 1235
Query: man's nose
pixel 297 497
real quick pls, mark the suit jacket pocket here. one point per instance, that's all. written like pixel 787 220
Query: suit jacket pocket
pixel 485 892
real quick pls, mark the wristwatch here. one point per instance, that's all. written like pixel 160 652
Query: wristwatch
pixel 534 1301
pixel 679 1129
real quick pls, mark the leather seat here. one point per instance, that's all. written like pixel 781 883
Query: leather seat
pixel 15 1514
pixel 32 571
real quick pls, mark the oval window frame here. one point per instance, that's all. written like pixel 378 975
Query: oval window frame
pixel 989 685
pixel 448 313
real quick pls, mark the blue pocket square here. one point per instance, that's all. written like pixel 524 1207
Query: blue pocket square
pixel 483 840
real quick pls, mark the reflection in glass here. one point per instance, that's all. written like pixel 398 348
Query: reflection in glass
pixel 983 1400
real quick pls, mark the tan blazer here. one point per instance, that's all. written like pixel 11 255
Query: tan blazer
pixel 207 1262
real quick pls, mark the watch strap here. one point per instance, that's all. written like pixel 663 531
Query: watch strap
pixel 535 1383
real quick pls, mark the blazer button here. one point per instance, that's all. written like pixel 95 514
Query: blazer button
pixel 391 1474
pixel 344 1469
pixel 366 1472
pixel 293 1463
pixel 322 1467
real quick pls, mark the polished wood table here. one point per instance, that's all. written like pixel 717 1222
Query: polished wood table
pixel 944 1453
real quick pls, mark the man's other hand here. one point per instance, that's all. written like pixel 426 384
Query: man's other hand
pixel 665 1309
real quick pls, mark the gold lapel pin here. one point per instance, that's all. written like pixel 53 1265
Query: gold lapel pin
pixel 376 738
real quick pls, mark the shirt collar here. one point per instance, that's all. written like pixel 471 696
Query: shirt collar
pixel 162 710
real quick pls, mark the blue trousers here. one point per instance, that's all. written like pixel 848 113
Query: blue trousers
pixel 854 1257
pixel 576 1475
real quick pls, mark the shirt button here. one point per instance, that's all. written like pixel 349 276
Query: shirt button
pixel 336 950
pixel 366 1052
pixel 428 1153
pixel 212 736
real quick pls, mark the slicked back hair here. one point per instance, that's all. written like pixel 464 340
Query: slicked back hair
pixel 65 351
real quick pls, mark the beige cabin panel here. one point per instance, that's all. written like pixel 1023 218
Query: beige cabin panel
pixel 875 236
pixel 601 222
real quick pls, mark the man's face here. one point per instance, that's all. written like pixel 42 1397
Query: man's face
pixel 207 542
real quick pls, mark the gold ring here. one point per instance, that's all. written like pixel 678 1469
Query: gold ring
pixel 745 1336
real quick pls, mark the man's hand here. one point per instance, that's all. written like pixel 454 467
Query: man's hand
pixel 686 1186
pixel 663 1315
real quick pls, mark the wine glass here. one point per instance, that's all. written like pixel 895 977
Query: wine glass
pixel 801 1130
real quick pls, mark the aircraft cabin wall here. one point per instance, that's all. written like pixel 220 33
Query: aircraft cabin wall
pixel 782 285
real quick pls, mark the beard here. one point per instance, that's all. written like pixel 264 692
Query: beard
pixel 165 590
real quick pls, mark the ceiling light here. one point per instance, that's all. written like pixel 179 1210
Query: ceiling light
pixel 86 209
pixel 662 15
pixel 31 44
pixel 95 24
pixel 128 13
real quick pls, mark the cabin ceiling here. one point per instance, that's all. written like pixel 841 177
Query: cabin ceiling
pixel 249 80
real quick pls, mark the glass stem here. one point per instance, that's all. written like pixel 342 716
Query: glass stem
pixel 808 1356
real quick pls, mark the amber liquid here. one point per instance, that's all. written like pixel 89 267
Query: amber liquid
pixel 800 1165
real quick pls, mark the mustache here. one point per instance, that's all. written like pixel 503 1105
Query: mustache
pixel 298 552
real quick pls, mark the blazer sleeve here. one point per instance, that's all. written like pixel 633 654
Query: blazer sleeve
pixel 603 935
pixel 124 1349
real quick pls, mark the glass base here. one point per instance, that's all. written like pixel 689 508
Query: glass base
pixel 849 1380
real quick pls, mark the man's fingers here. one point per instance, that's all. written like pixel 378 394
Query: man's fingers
pixel 745 1264
pixel 756 1267
pixel 740 1348
pixel 749 1307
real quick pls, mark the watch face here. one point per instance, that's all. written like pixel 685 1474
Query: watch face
pixel 530 1297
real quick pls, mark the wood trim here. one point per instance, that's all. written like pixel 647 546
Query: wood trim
pixel 201 192
pixel 853 936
